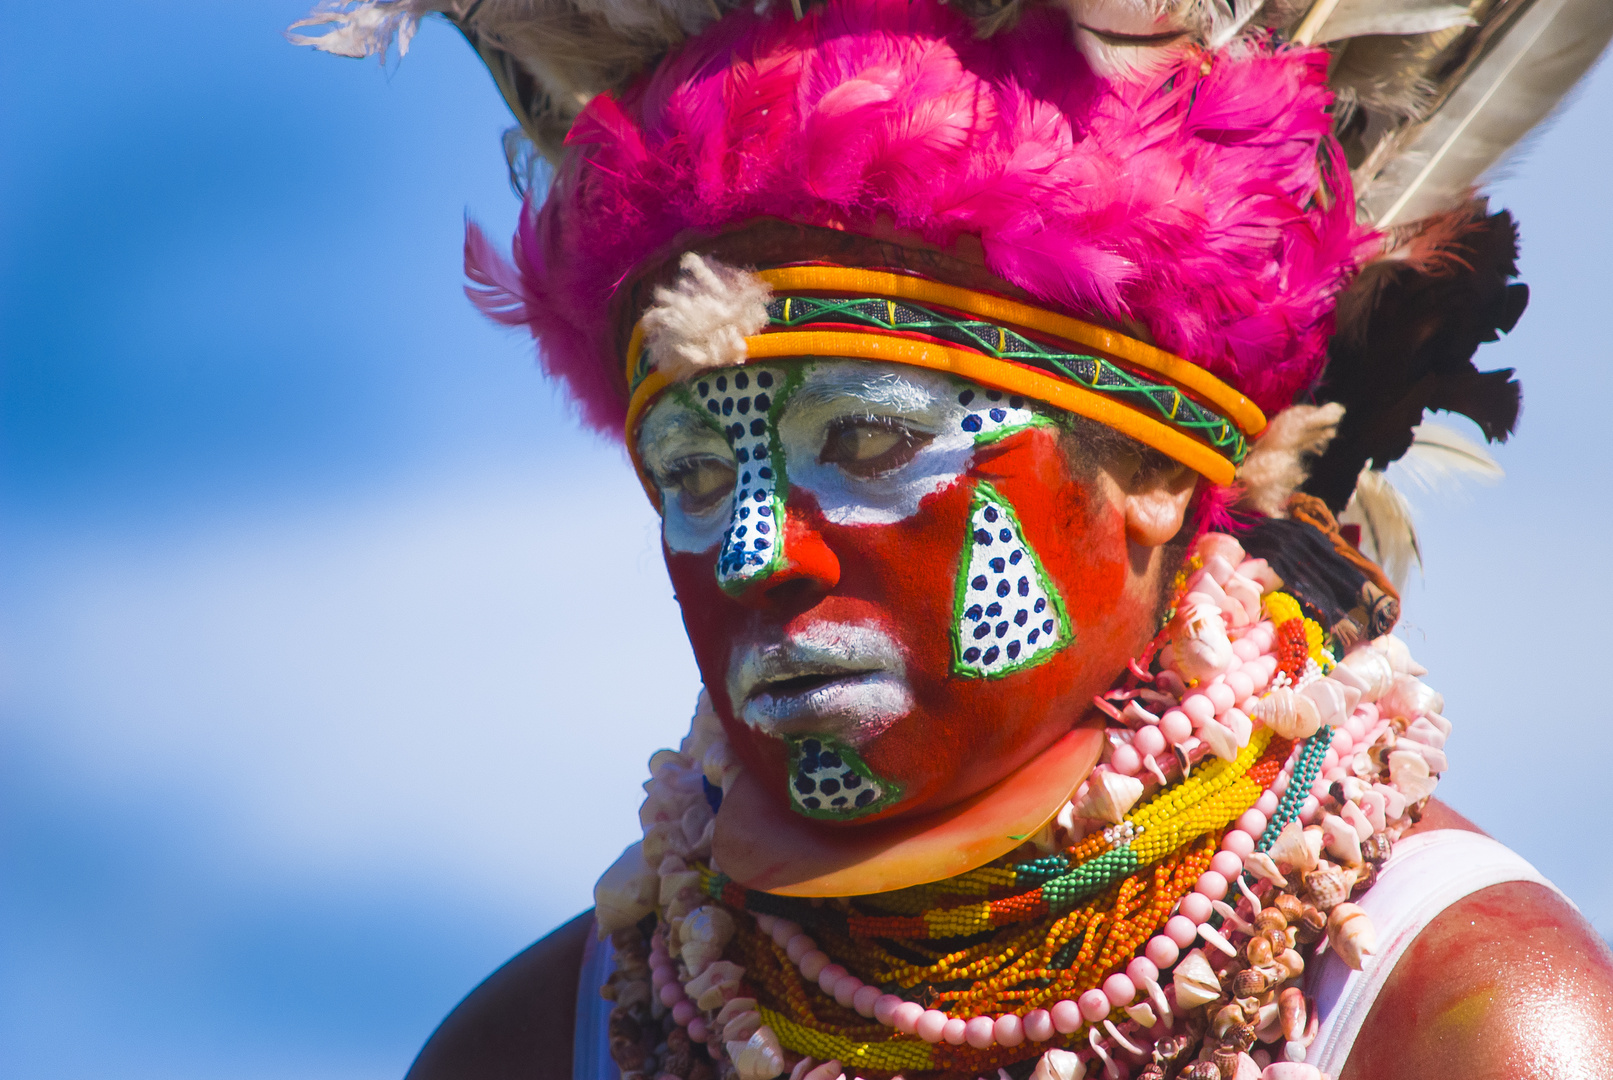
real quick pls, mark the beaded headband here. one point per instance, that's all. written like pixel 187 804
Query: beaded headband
pixel 1161 400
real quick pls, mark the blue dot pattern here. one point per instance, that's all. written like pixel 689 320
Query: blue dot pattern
pixel 826 784
pixel 1008 614
pixel 994 414
pixel 742 402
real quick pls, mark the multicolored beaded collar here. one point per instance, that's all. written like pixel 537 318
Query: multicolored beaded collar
pixel 1161 400
pixel 1147 930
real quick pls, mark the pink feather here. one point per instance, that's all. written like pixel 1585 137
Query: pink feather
pixel 1190 199
pixel 497 287
pixel 1214 510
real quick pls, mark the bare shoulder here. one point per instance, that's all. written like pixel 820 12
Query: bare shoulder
pixel 518 1022
pixel 1508 983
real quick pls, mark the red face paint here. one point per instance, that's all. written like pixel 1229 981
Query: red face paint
pixel 959 734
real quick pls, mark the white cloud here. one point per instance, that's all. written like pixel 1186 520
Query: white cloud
pixel 465 681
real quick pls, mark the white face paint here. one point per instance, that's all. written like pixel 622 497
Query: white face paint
pixel 687 452
pixel 676 440
pixel 842 680
pixel 837 393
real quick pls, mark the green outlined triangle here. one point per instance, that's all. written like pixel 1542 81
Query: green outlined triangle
pixel 1007 615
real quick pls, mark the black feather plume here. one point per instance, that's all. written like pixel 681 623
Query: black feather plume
pixel 1407 331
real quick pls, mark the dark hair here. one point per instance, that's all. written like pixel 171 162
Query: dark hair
pixel 1329 582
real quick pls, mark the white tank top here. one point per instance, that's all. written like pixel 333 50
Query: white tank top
pixel 1426 874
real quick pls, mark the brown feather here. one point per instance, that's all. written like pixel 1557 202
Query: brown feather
pixel 1408 329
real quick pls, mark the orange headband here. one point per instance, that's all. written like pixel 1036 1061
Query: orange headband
pixel 996 372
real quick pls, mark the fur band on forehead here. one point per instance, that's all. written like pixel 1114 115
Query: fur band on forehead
pixel 1205 201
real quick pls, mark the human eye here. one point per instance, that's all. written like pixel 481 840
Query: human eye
pixel 699 482
pixel 870 446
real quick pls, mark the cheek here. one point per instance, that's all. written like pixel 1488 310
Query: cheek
pixel 1079 535
pixel 903 574
pixel 968 731
pixel 711 618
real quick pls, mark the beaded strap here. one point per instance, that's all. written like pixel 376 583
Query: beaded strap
pixel 888 1055
pixel 1306 768
pixel 1092 372
pixel 1164 401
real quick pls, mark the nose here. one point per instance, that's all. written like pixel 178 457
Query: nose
pixel 794 568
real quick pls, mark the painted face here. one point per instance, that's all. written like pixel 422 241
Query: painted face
pixel 897 587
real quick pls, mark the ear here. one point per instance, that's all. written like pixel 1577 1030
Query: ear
pixel 1155 504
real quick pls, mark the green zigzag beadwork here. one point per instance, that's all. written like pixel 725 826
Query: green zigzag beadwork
pixel 1090 372
pixel 1007 615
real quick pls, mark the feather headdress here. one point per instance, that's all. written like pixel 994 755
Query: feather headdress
pixel 1216 173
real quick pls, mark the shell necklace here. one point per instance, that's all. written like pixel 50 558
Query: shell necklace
pixel 1254 781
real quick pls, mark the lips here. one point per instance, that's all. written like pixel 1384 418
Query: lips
pixel 852 707
pixel 829 679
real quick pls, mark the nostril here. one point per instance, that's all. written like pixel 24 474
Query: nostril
pixel 792 591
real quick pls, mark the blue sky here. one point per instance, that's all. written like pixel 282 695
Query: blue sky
pixel 311 712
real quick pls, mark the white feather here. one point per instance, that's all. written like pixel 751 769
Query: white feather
pixel 1527 70
pixel 1388 534
pixel 1099 23
pixel 1278 462
pixel 1102 27
pixel 1226 23
pixel 1439 462
pixel 1356 18
pixel 361 28
pixel 703 320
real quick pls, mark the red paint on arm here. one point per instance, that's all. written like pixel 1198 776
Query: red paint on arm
pixel 1506 984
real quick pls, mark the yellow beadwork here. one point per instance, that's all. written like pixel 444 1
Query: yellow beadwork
pixel 1211 780
pixel 1314 644
pixel 1013 967
pixel 1282 607
pixel 921 898
pixel 958 921
pixel 895 1053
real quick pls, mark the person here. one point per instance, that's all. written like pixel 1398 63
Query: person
pixel 1002 373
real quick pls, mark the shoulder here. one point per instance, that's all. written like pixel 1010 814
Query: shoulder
pixel 518 1022
pixel 1509 982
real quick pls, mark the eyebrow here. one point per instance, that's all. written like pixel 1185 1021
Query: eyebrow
pixel 674 418
pixel 869 385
